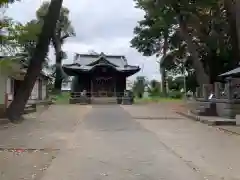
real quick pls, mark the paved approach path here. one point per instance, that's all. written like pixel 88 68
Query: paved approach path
pixel 210 151
pixel 110 145
pixel 139 142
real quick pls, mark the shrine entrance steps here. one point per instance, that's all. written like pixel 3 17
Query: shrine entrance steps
pixel 104 100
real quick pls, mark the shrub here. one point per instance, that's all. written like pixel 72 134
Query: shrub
pixel 175 94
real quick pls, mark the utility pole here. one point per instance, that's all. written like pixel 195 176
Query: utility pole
pixel 142 68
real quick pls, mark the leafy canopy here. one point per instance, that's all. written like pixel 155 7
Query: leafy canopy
pixel 206 23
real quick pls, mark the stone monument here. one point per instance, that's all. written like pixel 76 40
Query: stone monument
pixel 146 93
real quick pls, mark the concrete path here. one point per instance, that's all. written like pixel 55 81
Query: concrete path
pixel 110 145
pixel 139 142
pixel 212 152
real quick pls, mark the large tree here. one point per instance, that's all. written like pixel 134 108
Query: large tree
pixel 17 39
pixel 6 2
pixel 17 106
pixel 200 25
pixel 63 30
pixel 170 16
pixel 232 17
pixel 237 10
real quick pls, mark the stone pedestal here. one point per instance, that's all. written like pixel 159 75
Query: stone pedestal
pixel 119 100
pixel 207 89
pixel 198 92
pixel 229 90
pixel 217 90
pixel 80 100
pixel 226 109
pixel 126 101
pixel 145 94
pixel 205 92
pixel 2 110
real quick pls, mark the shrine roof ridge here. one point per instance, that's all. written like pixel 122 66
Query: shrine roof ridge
pixel 90 59
pixel 98 55
pixel 101 54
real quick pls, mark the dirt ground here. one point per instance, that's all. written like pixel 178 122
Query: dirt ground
pixel 27 149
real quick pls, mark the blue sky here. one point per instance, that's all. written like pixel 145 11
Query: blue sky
pixel 104 26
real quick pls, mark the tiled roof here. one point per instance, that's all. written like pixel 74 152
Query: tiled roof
pixel 86 59
pixel 87 63
pixel 232 72
pixel 87 68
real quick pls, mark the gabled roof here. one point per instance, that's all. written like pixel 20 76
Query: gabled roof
pixel 93 59
pixel 86 63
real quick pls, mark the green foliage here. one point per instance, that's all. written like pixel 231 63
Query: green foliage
pixel 191 82
pixel 6 2
pixel 156 99
pixel 6 65
pixel 21 40
pixel 63 27
pixel 17 37
pixel 154 89
pixel 62 98
pixel 138 86
pixel 175 94
pixel 176 83
pixel 28 36
pixel 207 24
pixel 16 42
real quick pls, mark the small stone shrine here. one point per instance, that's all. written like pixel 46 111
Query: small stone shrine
pixel 220 99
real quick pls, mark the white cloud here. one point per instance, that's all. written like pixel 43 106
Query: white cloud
pixel 104 26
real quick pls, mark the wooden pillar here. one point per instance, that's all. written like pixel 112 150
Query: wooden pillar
pixel 91 86
pixel 124 81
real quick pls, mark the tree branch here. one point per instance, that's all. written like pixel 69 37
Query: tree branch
pixel 64 37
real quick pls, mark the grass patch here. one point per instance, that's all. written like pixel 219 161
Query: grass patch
pixel 62 98
pixel 156 100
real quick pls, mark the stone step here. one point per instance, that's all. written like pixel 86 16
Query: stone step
pixel 210 120
pixel 205 104
pixel 30 108
pixel 198 112
pixel 104 100
pixel 202 111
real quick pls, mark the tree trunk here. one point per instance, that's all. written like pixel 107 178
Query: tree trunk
pixel 202 77
pixel 58 63
pixel 58 79
pixel 162 69
pixel 237 10
pixel 234 24
pixel 16 108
